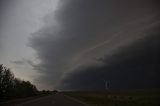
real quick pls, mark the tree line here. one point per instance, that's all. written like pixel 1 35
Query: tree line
pixel 12 87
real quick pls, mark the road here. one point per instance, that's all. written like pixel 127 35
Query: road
pixel 54 100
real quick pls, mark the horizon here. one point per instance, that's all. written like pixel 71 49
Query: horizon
pixel 77 45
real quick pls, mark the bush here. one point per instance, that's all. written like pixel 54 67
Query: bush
pixel 11 87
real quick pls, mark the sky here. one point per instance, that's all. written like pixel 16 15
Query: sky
pixel 82 44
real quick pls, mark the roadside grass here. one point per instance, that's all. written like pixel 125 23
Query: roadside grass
pixel 118 98
pixel 21 100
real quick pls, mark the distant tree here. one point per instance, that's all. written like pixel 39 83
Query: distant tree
pixel 55 91
pixel 46 92
pixel 1 81
pixel 6 82
pixel 28 88
pixel 24 88
pixel 11 87
pixel 17 88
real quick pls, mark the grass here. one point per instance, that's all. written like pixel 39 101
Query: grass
pixel 118 98
pixel 20 100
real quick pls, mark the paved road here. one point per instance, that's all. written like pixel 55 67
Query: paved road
pixel 54 100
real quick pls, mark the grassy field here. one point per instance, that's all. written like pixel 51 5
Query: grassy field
pixel 15 102
pixel 118 98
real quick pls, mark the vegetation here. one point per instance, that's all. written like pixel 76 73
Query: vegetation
pixel 11 87
pixel 119 98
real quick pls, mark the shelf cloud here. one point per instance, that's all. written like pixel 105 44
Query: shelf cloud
pixel 84 43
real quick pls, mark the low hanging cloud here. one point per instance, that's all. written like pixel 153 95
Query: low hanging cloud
pixel 18 62
pixel 81 40
pixel 23 62
pixel 135 67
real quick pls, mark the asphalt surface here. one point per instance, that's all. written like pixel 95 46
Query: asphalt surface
pixel 54 100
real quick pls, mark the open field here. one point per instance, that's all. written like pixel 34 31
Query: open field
pixel 118 98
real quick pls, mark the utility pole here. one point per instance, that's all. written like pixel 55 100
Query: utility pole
pixel 106 85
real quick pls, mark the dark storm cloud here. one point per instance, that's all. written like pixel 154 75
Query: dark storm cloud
pixel 135 67
pixel 80 31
